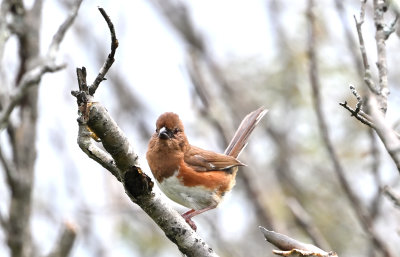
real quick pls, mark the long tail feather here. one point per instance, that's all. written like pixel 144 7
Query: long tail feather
pixel 239 140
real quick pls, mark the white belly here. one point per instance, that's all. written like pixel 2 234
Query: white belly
pixel 196 198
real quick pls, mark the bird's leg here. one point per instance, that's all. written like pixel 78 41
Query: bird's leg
pixel 191 213
pixel 188 220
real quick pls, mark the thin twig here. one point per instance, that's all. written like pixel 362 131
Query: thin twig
pixel 110 58
pixel 59 35
pixel 367 71
pixel 361 116
pixel 358 97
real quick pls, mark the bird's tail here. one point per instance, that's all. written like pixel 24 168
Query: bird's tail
pixel 239 140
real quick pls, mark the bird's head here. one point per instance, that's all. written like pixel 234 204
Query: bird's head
pixel 169 127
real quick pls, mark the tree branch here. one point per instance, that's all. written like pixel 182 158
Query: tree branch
pixel 138 186
pixel 367 71
pixel 110 59
pixel 389 138
pixel 292 247
pixel 380 7
pixel 62 30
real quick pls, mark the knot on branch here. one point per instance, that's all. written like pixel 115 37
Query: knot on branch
pixel 137 183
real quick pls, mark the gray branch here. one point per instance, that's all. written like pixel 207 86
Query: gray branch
pixel 292 246
pixel 385 132
pixel 380 7
pixel 122 162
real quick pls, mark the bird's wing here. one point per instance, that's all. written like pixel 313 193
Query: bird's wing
pixel 203 160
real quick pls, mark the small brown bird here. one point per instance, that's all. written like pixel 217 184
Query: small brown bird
pixel 189 175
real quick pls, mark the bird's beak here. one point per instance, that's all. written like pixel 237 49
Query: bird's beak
pixel 164 133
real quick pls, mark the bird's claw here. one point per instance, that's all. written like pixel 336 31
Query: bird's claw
pixel 190 222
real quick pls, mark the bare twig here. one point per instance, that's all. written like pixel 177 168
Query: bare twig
pixel 358 112
pixel 338 168
pixel 358 97
pixel 367 71
pixel 110 58
pixel 360 115
pixel 62 30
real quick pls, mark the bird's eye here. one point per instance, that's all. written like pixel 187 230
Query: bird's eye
pixel 176 130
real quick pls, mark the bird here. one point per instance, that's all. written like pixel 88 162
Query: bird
pixel 193 177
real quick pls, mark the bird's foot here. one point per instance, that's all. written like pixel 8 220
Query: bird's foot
pixel 189 221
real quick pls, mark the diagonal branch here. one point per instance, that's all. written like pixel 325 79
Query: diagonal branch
pixel 122 161
pixel 62 30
